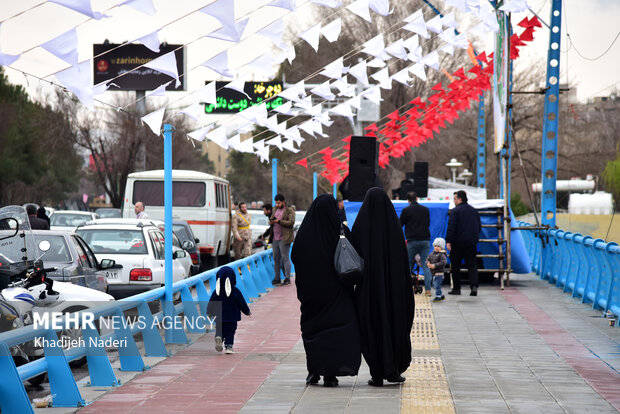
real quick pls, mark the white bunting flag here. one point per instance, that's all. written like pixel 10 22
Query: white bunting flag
pixel 332 30
pixel 160 90
pixel 383 77
pixel 151 41
pixel 78 80
pixel 361 8
pixel 381 7
pixel 207 94
pixel 166 64
pixel 143 6
pixel 418 70
pixel 64 47
pixel 219 137
pixel 193 111
pixel 312 36
pixel 284 4
pixel 359 72
pixel 324 91
pixel 154 120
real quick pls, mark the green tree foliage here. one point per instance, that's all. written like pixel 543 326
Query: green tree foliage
pixel 518 207
pixel 611 176
pixel 37 162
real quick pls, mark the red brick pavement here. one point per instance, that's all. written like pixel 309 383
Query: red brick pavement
pixel 594 371
pixel 200 380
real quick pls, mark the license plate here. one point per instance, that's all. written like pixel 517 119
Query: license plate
pixel 111 274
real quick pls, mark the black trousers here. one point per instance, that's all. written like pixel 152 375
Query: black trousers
pixel 457 254
pixel 226 330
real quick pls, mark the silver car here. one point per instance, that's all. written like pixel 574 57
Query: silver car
pixel 74 260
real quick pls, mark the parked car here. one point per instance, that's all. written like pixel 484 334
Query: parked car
pixel 259 223
pixel 74 260
pixel 138 247
pixel 177 244
pixel 203 200
pixel 106 212
pixel 68 220
pixel 184 232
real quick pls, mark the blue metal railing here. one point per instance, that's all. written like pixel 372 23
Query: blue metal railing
pixel 586 268
pixel 254 276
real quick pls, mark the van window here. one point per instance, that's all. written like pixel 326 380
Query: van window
pixel 184 194
pixel 221 195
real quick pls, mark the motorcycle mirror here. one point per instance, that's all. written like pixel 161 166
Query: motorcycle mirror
pixel 10 224
pixel 44 245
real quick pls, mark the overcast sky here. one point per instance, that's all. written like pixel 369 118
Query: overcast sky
pixel 592 26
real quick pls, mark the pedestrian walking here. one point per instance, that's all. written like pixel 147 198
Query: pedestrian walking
pixel 139 210
pixel 329 326
pixel 384 298
pixel 43 215
pixel 462 240
pixel 242 243
pixel 436 262
pixel 35 222
pixel 282 236
pixel 416 219
pixel 226 304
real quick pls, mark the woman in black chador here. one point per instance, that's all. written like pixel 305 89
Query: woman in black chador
pixel 384 298
pixel 329 325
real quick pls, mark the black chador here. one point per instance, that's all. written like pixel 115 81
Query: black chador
pixel 384 298
pixel 329 327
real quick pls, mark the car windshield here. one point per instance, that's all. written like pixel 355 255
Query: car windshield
pixel 260 219
pixel 114 241
pixel 68 219
pixel 58 252
pixel 181 232
pixel 108 213
pixel 17 243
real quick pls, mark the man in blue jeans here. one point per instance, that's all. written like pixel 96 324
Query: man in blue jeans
pixel 416 219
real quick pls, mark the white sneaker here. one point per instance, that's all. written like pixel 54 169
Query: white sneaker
pixel 218 344
pixel 229 351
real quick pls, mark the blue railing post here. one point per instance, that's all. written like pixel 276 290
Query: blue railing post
pixel 62 383
pixel 99 367
pixel 13 397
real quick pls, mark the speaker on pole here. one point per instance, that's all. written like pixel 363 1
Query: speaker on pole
pixel 363 168
pixel 420 178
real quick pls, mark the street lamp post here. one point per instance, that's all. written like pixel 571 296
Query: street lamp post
pixel 453 165
pixel 465 175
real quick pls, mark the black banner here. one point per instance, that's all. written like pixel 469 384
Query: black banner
pixel 231 101
pixel 127 57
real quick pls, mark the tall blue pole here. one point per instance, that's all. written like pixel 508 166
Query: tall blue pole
pixel 335 190
pixel 171 336
pixel 314 186
pixel 550 122
pixel 274 180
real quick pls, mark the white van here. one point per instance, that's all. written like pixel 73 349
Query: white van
pixel 201 199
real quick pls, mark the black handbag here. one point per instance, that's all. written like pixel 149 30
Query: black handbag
pixel 349 265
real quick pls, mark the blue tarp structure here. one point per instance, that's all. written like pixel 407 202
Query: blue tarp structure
pixel 439 224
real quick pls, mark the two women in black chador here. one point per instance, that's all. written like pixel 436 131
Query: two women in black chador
pixel 339 322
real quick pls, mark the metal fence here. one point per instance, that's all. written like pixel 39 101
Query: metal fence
pixel 254 276
pixel 586 268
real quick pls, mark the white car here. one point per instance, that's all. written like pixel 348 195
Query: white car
pixel 68 220
pixel 177 246
pixel 137 247
pixel 259 223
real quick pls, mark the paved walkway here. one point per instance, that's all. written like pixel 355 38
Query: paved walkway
pixel 527 349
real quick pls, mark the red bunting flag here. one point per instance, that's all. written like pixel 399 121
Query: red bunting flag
pixel 303 162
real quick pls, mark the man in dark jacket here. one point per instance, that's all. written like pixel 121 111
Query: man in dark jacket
pixel 462 241
pixel 35 222
pixel 416 219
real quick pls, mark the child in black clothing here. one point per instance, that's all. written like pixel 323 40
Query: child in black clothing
pixel 436 262
pixel 226 304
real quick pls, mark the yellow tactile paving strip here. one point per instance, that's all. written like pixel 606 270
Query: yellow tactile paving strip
pixel 426 389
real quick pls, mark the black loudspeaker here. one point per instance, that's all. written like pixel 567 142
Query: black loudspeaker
pixel 363 167
pixel 420 179
pixel 406 187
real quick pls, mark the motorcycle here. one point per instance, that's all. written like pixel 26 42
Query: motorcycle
pixel 25 288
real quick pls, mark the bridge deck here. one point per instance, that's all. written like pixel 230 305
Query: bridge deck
pixel 527 349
